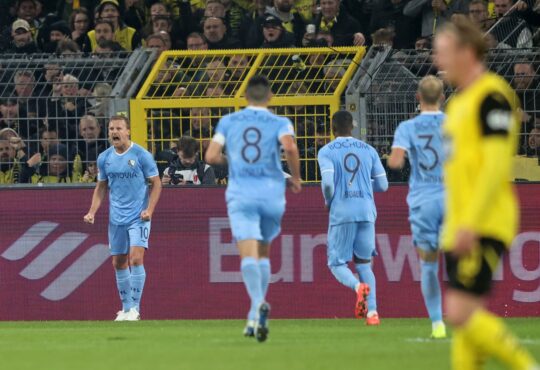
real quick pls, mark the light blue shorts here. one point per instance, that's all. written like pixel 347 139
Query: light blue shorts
pixel 426 221
pixel 255 219
pixel 346 240
pixel 123 237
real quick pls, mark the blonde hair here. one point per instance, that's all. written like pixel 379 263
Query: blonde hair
pixel 430 90
pixel 467 34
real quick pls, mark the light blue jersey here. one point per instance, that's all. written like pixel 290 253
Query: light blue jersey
pixel 256 188
pixel 421 137
pixel 354 164
pixel 127 175
pixel 251 139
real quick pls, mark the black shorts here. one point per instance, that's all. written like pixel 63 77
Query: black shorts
pixel 474 272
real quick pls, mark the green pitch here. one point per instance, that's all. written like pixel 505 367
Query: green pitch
pixel 219 345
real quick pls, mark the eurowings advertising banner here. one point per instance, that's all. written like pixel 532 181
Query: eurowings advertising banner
pixel 55 267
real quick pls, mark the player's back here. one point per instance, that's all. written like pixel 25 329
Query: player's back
pixel 421 137
pixel 253 152
pixel 354 163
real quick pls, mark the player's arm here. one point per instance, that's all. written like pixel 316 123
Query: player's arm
pixel 378 174
pixel 293 161
pixel 97 198
pixel 496 118
pixel 396 160
pixel 214 154
pixel 155 192
pixel 327 177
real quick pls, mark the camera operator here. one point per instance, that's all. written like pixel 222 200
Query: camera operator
pixel 187 168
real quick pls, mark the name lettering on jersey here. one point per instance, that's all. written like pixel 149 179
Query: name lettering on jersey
pixel 498 119
pixel 122 175
pixel 432 179
pixel 353 194
pixel 347 145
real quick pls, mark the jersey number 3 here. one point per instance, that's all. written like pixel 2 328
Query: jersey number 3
pixel 429 148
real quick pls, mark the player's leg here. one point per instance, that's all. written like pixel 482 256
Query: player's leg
pixel 245 226
pixel 139 233
pixel 119 247
pixel 264 266
pixel 364 248
pixel 339 250
pixel 478 329
pixel 425 225
pixel 271 216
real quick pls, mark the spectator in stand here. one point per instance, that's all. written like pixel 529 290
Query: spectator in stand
pixel 215 32
pixel 28 10
pixel 30 107
pixel 290 21
pixel 254 12
pixel 187 168
pixel 91 140
pixel 68 49
pixel 434 13
pixel 383 37
pixel 80 24
pixel 156 41
pixel 66 8
pixel 9 114
pixel 58 31
pixel 214 8
pixel 478 13
pixel 345 29
pixel 104 30
pixel 511 31
pixel 181 27
pixel 238 67
pixel 216 71
pixel 164 24
pixel 57 169
pixel 7 163
pixel 126 36
pixel 21 36
pixel 134 14
pixel 527 85
pixel 234 16
pixel 196 41
pixel 275 35
pixel 389 14
pixel 63 114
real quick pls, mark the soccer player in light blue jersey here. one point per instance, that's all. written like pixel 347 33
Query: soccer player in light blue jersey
pixel 125 169
pixel 351 170
pixel 421 140
pixel 253 138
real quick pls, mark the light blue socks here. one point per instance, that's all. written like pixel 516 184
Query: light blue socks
pixel 431 290
pixel 251 274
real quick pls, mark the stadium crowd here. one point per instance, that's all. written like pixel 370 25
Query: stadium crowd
pixel 52 122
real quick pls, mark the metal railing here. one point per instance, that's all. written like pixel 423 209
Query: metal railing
pixel 384 95
pixel 56 109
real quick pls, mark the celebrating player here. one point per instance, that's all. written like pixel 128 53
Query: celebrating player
pixel 351 170
pixel 256 190
pixel 124 168
pixel 421 139
pixel 481 216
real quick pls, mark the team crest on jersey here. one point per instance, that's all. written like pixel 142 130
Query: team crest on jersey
pixel 131 163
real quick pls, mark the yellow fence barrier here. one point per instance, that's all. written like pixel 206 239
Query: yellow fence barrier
pixel 187 92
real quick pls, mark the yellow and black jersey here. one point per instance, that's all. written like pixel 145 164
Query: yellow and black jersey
pixel 480 134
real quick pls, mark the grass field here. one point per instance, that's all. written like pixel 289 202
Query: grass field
pixel 218 345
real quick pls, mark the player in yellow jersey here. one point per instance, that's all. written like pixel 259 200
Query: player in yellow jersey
pixel 481 209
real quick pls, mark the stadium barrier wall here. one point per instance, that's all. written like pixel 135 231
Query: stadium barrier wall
pixel 55 267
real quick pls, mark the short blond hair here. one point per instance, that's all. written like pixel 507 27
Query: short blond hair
pixel 430 90
pixel 467 34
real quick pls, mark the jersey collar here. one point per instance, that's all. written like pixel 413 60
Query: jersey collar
pixel 257 108
pixel 431 113
pixel 121 154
